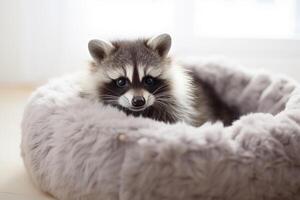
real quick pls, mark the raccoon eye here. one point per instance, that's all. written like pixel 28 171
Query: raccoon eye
pixel 149 80
pixel 121 82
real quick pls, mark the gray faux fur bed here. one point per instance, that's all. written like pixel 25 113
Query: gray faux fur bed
pixel 77 149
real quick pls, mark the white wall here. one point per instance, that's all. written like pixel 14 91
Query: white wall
pixel 42 39
pixel 10 21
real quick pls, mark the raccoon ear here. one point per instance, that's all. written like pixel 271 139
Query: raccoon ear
pixel 161 44
pixel 100 49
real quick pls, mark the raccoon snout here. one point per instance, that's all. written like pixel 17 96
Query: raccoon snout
pixel 138 101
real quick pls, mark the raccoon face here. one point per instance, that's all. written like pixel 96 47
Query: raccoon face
pixel 132 75
pixel 134 94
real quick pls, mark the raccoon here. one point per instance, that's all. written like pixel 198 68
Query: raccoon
pixel 139 78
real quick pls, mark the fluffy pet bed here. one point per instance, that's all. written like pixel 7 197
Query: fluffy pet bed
pixel 77 149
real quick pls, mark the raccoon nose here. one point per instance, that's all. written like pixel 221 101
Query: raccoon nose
pixel 138 101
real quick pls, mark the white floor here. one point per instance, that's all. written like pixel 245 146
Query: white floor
pixel 14 182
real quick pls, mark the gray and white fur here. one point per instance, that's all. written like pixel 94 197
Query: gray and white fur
pixel 139 78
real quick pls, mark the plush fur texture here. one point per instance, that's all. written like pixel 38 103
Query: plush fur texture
pixel 78 149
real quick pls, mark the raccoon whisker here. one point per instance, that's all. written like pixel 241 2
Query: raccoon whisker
pixel 112 102
pixel 163 94
pixel 125 99
pixel 172 113
pixel 113 92
pixel 167 105
pixel 163 104
pixel 175 114
pixel 154 92
pixel 108 99
pixel 166 99
pixel 108 96
pixel 159 88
